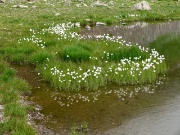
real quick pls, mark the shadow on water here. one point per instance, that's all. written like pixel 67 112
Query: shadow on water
pixel 111 108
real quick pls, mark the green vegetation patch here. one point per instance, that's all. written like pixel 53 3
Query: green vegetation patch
pixel 88 63
pixel 132 53
pixel 75 53
pixel 14 114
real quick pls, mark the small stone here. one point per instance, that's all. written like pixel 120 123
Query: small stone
pixel 85 5
pixel 100 24
pixel 34 7
pixel 88 20
pixel 15 6
pixel 99 3
pixel 57 14
pixel 78 5
pixel 143 5
pixel 23 6
pixel 20 6
pixel 88 27
pixel 1 107
pixel 78 24
pixel 30 2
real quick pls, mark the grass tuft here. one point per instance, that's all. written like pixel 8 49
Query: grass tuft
pixel 76 53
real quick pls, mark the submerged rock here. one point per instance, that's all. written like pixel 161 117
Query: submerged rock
pixel 87 27
pixel 143 5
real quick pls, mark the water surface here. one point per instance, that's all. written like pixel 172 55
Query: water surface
pixel 137 32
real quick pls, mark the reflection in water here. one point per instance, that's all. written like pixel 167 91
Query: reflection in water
pixel 108 108
pixel 137 32
pixel 162 119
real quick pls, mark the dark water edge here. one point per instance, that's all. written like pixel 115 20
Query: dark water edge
pixel 108 110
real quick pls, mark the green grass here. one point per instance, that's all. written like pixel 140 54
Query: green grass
pixel 39 57
pixel 14 113
pixel 75 53
pixel 124 52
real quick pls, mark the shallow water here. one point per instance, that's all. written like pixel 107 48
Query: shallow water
pixel 115 110
pixel 160 119
pixel 137 32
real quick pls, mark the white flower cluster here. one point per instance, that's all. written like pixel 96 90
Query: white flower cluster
pixel 153 60
pixel 75 76
pixel 63 30
pixel 34 39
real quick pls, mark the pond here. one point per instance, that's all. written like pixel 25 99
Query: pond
pixel 113 110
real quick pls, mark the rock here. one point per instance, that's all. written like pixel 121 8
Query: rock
pixel 20 6
pixel 143 5
pixel 1 107
pixel 85 5
pixel 57 14
pixel 100 24
pixel 30 2
pixel 23 6
pixel 87 27
pixel 2 1
pixel 99 3
pixel 87 20
pixel 34 7
pixel 78 5
pixel 77 24
pixel 15 6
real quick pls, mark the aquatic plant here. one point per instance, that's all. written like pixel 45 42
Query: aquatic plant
pixel 82 129
pixel 39 57
pixel 90 62
pixel 14 116
pixel 75 53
